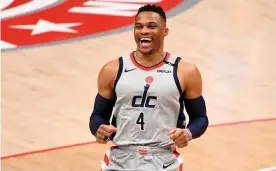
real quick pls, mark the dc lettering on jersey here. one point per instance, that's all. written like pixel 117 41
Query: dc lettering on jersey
pixel 147 101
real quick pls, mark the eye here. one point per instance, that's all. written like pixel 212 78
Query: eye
pixel 138 27
pixel 152 26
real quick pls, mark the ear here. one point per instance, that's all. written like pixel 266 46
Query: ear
pixel 166 31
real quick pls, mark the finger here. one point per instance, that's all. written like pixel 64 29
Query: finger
pixel 109 128
pixel 103 132
pixel 100 141
pixel 182 137
pixel 112 128
pixel 179 140
pixel 106 130
pixel 182 144
pixel 100 136
pixel 175 135
pixel 182 134
pixel 187 138
pixel 172 131
pixel 183 141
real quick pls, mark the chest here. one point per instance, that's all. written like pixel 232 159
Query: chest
pixel 157 83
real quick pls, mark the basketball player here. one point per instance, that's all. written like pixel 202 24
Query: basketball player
pixel 141 100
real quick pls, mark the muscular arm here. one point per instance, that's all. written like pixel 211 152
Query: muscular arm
pixel 107 78
pixel 104 100
pixel 191 83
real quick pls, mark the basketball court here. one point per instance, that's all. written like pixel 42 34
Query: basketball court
pixel 52 52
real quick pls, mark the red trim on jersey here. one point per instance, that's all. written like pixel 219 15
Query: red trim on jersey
pixel 148 68
pixel 181 167
pixel 177 154
pixel 106 158
pixel 113 147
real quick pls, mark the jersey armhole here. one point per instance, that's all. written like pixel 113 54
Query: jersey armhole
pixel 181 121
pixel 119 72
pixel 175 76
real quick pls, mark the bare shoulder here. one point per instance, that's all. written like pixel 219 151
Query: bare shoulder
pixel 187 68
pixel 190 79
pixel 106 78
pixel 110 68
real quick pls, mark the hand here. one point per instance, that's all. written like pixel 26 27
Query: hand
pixel 103 132
pixel 181 137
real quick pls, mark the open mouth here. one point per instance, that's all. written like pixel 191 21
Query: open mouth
pixel 145 42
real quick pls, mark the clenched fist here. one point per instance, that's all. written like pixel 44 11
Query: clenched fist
pixel 103 132
pixel 181 137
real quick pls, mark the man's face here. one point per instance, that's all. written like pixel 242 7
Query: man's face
pixel 149 31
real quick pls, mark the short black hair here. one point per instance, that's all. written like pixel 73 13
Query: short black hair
pixel 153 8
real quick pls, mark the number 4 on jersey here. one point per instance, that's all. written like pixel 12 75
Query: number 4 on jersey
pixel 140 121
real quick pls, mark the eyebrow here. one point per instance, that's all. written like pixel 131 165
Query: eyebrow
pixel 148 23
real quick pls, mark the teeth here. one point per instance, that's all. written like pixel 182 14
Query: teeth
pixel 146 39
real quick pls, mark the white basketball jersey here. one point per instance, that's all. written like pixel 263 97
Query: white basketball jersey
pixel 148 102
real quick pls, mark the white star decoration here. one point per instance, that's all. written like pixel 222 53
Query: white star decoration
pixel 43 26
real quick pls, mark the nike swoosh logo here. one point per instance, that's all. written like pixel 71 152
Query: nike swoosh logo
pixel 128 70
pixel 167 165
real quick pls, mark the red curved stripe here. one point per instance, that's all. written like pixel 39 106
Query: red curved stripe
pixel 46 150
pixel 93 142
pixel 16 3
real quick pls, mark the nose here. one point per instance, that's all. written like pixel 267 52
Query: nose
pixel 145 30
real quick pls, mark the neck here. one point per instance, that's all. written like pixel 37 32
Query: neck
pixel 149 59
